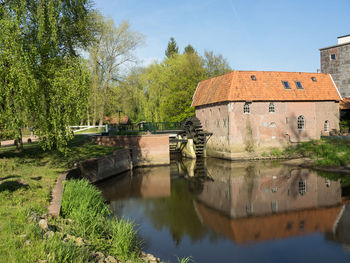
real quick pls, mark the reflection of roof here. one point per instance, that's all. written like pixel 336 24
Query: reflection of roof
pixel 345 104
pixel 275 226
pixel 267 86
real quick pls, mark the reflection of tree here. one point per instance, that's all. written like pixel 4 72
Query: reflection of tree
pixel 177 213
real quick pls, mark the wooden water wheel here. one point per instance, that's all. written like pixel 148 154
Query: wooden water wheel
pixel 193 130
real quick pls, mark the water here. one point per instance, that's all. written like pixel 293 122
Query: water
pixel 221 211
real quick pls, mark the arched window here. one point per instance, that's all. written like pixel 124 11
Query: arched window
pixel 246 108
pixel 302 187
pixel 272 107
pixel 301 122
pixel 326 126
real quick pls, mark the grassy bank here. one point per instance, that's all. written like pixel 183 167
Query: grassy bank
pixel 92 221
pixel 325 152
pixel 26 180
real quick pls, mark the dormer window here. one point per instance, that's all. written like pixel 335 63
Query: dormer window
pixel 333 57
pixel 313 79
pixel 253 77
pixel 286 84
pixel 298 84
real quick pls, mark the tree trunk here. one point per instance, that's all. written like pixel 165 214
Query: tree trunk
pixel 19 142
pixel 88 117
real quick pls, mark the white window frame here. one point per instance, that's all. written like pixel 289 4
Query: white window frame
pixel 272 107
pixel 246 108
pixel 301 122
pixel 326 126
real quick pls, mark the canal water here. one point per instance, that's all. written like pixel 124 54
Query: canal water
pixel 222 211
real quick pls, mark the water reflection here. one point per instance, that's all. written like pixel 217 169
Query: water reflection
pixel 212 201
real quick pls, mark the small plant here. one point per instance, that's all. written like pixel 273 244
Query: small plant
pixel 276 152
pixel 184 260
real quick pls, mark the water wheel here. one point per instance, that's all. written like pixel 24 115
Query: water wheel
pixel 193 130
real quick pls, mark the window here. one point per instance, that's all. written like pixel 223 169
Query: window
pixel 313 79
pixel 286 84
pixel 298 84
pixel 253 77
pixel 274 207
pixel 301 122
pixel 326 126
pixel 246 108
pixel 249 209
pixel 328 183
pixel 302 187
pixel 333 57
pixel 272 107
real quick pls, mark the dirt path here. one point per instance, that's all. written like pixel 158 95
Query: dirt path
pixel 25 140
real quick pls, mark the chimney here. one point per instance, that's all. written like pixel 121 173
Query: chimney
pixel 343 39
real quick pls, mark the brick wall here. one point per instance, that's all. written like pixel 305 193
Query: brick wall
pixel 146 149
pixel 234 130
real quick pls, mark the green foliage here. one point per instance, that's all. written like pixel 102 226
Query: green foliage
pixel 326 152
pixel 84 204
pixel 108 57
pixel 276 152
pixel 43 83
pixel 163 91
pixel 215 64
pixel 189 49
pixel 172 48
pixel 26 181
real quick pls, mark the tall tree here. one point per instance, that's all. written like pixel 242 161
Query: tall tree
pixel 108 57
pixel 215 64
pixel 44 37
pixel 172 48
pixel 189 49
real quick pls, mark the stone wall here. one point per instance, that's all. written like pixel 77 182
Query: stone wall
pixel 338 68
pixel 146 149
pixel 101 168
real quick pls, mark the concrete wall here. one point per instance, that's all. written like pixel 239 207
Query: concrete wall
pixel 235 131
pixel 101 168
pixel 338 68
pixel 146 149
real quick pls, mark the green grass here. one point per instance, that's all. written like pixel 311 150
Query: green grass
pixel 326 152
pixel 92 221
pixel 26 180
pixel 92 130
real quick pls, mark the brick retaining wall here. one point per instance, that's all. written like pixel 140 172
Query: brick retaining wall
pixel 146 149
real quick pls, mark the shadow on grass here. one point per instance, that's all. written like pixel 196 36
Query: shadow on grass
pixel 12 186
pixel 79 148
pixel 8 177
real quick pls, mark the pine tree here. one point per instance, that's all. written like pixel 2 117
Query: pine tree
pixel 189 49
pixel 172 48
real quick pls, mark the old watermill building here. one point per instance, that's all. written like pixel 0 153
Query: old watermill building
pixel 254 110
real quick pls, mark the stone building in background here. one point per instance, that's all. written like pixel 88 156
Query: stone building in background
pixel 335 60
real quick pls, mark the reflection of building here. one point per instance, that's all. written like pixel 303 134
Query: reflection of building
pixel 154 182
pixel 284 201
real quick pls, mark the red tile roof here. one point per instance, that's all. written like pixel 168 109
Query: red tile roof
pixel 239 86
pixel 344 104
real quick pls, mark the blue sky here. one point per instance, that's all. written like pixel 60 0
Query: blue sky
pixel 282 35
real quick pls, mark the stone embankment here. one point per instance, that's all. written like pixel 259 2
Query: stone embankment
pixel 310 163
pixel 147 150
